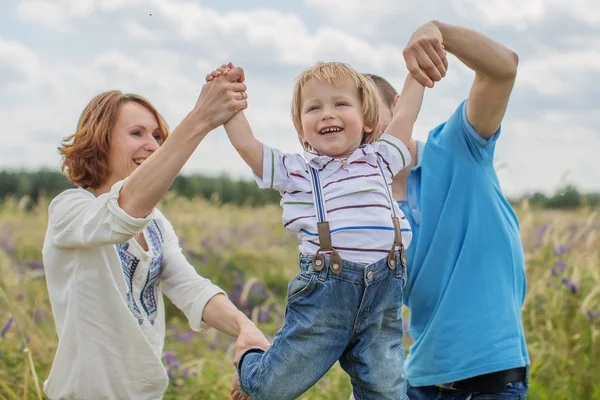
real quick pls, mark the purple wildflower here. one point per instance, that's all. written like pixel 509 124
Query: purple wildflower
pixel 7 326
pixel 36 265
pixel 236 295
pixel 569 285
pixel 592 315
pixel 561 265
pixel 186 336
pixel 263 316
pixel 172 365
pixel 185 373
pixel 205 244
pixel 170 357
pixel 39 314
pixel 540 234
pixel 171 377
pixel 553 272
pixel 559 250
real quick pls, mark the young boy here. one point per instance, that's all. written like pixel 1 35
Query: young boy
pixel 345 303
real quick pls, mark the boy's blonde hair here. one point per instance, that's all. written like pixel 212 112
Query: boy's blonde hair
pixel 337 73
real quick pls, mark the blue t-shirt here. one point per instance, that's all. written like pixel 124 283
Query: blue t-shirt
pixel 466 272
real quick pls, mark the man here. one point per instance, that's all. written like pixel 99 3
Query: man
pixel 466 278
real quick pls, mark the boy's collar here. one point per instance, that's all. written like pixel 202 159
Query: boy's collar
pixel 327 165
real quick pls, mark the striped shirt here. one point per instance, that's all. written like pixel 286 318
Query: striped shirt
pixel 356 199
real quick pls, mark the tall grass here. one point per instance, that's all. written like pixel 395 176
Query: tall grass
pixel 249 254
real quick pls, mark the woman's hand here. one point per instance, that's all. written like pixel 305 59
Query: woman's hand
pixel 220 99
pixel 250 337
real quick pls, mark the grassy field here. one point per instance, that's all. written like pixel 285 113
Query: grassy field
pixel 249 254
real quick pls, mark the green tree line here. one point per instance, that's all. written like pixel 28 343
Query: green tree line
pixel 222 188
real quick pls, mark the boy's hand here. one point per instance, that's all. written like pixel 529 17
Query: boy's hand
pixel 229 72
pixel 233 73
pixel 223 70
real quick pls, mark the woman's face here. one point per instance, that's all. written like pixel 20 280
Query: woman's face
pixel 135 137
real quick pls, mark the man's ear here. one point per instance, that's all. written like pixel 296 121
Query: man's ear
pixel 395 101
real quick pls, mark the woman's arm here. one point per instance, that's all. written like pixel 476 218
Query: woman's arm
pixel 201 301
pixel 218 102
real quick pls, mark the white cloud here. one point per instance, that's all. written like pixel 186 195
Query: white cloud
pixel 137 31
pixel 20 66
pixel 558 73
pixel 354 10
pixel 165 56
pixel 51 14
pixel 522 14
pixel 540 152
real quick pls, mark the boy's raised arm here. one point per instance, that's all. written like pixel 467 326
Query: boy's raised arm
pixel 241 136
pixel 239 131
pixel 406 110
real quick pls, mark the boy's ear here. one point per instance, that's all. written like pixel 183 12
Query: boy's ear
pixel 368 129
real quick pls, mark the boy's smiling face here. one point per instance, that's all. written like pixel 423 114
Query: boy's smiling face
pixel 332 119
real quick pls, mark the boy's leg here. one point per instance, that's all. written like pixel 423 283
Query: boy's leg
pixel 374 359
pixel 318 324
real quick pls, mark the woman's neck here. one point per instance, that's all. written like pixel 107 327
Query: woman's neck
pixel 100 190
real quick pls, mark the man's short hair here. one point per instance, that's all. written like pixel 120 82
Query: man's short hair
pixel 386 90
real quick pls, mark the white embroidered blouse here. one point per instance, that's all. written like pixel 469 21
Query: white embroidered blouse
pixel 106 296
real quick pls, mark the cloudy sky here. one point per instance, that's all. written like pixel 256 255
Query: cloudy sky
pixel 55 55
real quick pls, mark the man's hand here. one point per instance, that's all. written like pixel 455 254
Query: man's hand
pixel 425 55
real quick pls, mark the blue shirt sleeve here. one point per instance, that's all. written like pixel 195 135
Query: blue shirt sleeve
pixel 458 136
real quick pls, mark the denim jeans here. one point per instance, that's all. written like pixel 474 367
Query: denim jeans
pixel 513 391
pixel 354 318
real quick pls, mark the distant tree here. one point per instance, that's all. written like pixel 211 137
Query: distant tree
pixel 592 200
pixel 538 200
pixel 222 188
pixel 566 198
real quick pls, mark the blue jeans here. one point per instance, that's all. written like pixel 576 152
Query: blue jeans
pixel 513 391
pixel 354 317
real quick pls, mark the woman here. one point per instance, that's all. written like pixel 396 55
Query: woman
pixel 109 254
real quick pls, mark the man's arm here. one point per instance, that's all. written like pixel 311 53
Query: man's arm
pixel 495 69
